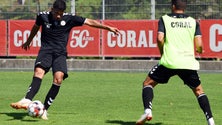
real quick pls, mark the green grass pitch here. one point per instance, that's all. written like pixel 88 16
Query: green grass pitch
pixel 109 98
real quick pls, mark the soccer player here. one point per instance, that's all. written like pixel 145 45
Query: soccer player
pixel 56 26
pixel 177 34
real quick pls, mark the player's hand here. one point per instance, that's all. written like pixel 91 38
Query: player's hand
pixel 199 50
pixel 26 46
pixel 115 30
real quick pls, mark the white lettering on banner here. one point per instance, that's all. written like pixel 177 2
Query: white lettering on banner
pixel 111 43
pixel 17 42
pixel 142 39
pixel 36 41
pixel 21 37
pixel 80 38
pixel 215 46
pixel 129 39
pixel 151 42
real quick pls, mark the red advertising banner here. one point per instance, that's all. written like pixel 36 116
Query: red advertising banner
pixel 84 41
pixel 137 39
pixel 3 38
pixel 212 38
pixel 19 30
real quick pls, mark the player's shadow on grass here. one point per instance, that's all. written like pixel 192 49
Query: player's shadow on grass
pixel 17 116
pixel 120 122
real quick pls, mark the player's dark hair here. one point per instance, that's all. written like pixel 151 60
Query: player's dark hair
pixel 180 4
pixel 59 5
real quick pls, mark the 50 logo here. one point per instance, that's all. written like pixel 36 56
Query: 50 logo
pixel 80 38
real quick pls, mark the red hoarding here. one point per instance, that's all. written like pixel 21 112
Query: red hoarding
pixel 83 41
pixel 3 38
pixel 19 30
pixel 137 38
pixel 212 38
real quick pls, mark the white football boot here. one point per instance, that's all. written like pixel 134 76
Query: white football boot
pixel 211 121
pixel 22 104
pixel 44 115
pixel 147 116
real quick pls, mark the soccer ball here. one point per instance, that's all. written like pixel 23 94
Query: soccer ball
pixel 36 108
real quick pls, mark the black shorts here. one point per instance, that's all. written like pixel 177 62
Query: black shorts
pixel 46 60
pixel 161 74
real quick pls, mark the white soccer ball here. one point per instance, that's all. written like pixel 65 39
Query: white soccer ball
pixel 36 108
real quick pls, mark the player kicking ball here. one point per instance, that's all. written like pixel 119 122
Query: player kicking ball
pixel 56 26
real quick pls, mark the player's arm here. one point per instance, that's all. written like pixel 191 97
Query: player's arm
pixel 96 24
pixel 34 31
pixel 198 39
pixel 199 44
pixel 160 42
pixel 160 35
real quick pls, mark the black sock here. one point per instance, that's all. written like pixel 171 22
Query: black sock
pixel 205 106
pixel 33 88
pixel 54 90
pixel 147 95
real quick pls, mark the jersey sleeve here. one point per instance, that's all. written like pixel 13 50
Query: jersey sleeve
pixel 38 20
pixel 198 31
pixel 161 27
pixel 77 20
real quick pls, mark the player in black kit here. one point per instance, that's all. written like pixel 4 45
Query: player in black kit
pixel 56 26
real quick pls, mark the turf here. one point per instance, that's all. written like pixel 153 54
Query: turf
pixel 109 98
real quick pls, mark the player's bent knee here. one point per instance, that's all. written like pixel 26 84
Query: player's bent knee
pixel 58 81
pixel 148 81
pixel 198 90
pixel 39 73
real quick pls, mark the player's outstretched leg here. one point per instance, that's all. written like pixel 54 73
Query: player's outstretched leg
pixel 22 104
pixel 147 96
pixel 32 90
pixel 205 106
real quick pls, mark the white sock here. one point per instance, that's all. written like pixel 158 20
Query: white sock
pixel 148 111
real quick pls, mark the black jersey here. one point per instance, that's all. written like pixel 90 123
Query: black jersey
pixel 161 27
pixel 55 33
